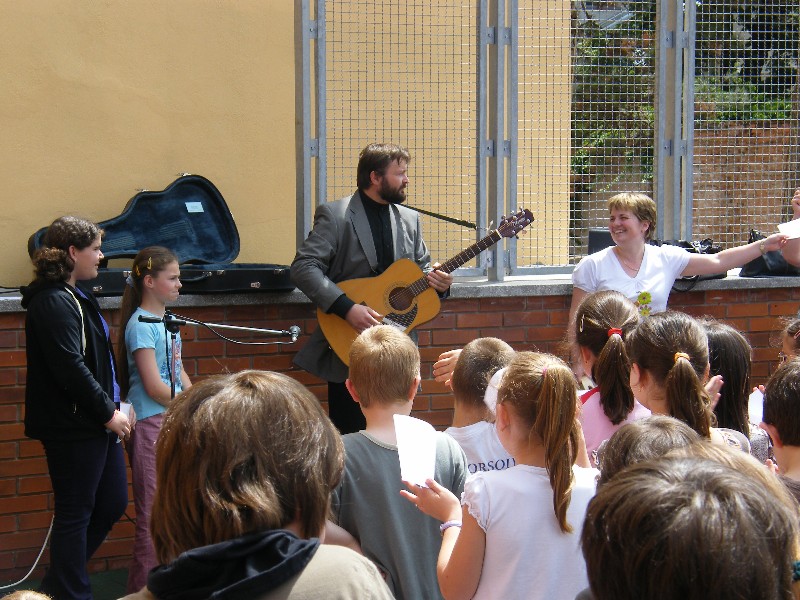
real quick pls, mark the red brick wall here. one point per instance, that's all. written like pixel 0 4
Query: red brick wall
pixel 533 322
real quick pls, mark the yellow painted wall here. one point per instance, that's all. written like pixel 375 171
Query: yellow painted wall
pixel 100 98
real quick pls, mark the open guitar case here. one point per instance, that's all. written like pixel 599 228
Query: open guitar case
pixel 191 218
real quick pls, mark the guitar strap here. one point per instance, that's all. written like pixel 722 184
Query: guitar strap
pixel 466 224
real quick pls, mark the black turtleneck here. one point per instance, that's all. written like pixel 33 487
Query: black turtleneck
pixel 380 225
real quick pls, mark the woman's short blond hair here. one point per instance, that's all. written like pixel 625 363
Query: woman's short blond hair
pixel 640 205
pixel 384 362
pixel 242 453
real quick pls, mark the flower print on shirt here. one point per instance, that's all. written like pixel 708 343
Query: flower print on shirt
pixel 643 301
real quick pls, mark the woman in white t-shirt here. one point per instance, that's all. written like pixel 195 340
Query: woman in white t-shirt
pixel 643 272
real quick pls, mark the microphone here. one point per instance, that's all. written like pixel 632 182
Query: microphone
pixel 294 331
pixel 146 319
pixel 169 319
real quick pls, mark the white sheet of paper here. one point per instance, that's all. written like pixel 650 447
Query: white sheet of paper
pixel 755 407
pixel 416 445
pixel 790 228
pixel 125 409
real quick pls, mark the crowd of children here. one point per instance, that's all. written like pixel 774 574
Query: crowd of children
pixel 656 482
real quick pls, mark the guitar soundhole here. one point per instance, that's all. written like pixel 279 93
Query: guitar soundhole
pixel 400 298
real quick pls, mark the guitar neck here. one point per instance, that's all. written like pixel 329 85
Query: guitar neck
pixel 421 284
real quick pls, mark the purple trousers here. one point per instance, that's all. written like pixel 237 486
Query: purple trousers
pixel 142 455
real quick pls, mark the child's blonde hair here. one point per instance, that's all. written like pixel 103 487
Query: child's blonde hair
pixel 384 363
pixel 541 390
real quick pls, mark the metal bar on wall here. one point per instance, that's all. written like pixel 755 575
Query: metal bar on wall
pixel 496 133
pixel 481 129
pixel 687 188
pixel 321 107
pixel 304 28
pixel 663 144
pixel 513 138
pixel 676 133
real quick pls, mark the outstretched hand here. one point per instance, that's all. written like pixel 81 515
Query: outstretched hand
pixel 444 367
pixel 775 242
pixel 435 501
pixel 713 388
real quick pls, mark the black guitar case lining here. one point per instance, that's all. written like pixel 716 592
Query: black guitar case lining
pixel 191 218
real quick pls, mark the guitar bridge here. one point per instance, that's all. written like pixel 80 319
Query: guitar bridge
pixel 401 321
pixel 393 323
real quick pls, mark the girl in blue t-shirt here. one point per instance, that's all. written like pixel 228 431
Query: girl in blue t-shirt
pixel 149 367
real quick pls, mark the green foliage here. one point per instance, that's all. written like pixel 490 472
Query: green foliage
pixel 612 95
pixel 748 59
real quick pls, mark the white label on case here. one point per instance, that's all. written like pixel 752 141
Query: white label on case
pixel 194 207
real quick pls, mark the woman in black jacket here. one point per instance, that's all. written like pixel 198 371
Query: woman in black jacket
pixel 72 402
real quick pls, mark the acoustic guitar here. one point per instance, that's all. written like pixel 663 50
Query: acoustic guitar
pixel 402 293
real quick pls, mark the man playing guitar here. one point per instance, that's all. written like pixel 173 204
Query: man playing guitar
pixel 358 237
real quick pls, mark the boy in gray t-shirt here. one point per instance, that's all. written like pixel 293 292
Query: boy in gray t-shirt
pixel 392 532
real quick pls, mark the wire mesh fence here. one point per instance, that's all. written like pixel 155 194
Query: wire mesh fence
pixel 612 116
pixel 747 116
pixel 406 72
pixel 543 130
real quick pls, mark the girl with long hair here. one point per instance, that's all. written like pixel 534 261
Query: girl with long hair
pixel 602 321
pixel 669 372
pixel 515 534
pixel 72 401
pixel 729 356
pixel 149 366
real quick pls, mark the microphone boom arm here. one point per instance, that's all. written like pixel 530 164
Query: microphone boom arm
pixel 293 331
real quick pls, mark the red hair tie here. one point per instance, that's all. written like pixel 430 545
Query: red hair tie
pixel 615 331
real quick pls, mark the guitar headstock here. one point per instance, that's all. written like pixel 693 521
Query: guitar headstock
pixel 513 224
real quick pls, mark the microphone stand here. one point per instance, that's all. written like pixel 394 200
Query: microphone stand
pixel 172 326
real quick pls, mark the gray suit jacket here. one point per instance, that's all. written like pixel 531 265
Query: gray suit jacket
pixel 340 247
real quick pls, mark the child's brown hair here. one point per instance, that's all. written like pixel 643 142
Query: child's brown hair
pixel 478 361
pixel 542 391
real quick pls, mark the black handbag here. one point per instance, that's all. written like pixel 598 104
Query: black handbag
pixel 771 264
pixel 704 246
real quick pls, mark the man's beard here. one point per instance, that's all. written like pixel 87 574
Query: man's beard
pixel 392 195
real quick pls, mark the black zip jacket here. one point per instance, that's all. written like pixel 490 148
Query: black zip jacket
pixel 69 394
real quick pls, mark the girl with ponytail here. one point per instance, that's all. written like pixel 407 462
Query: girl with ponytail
pixel 515 533
pixel 148 368
pixel 669 372
pixel 602 322
pixel 669 366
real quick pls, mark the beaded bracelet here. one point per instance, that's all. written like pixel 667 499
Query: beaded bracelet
pixel 448 524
